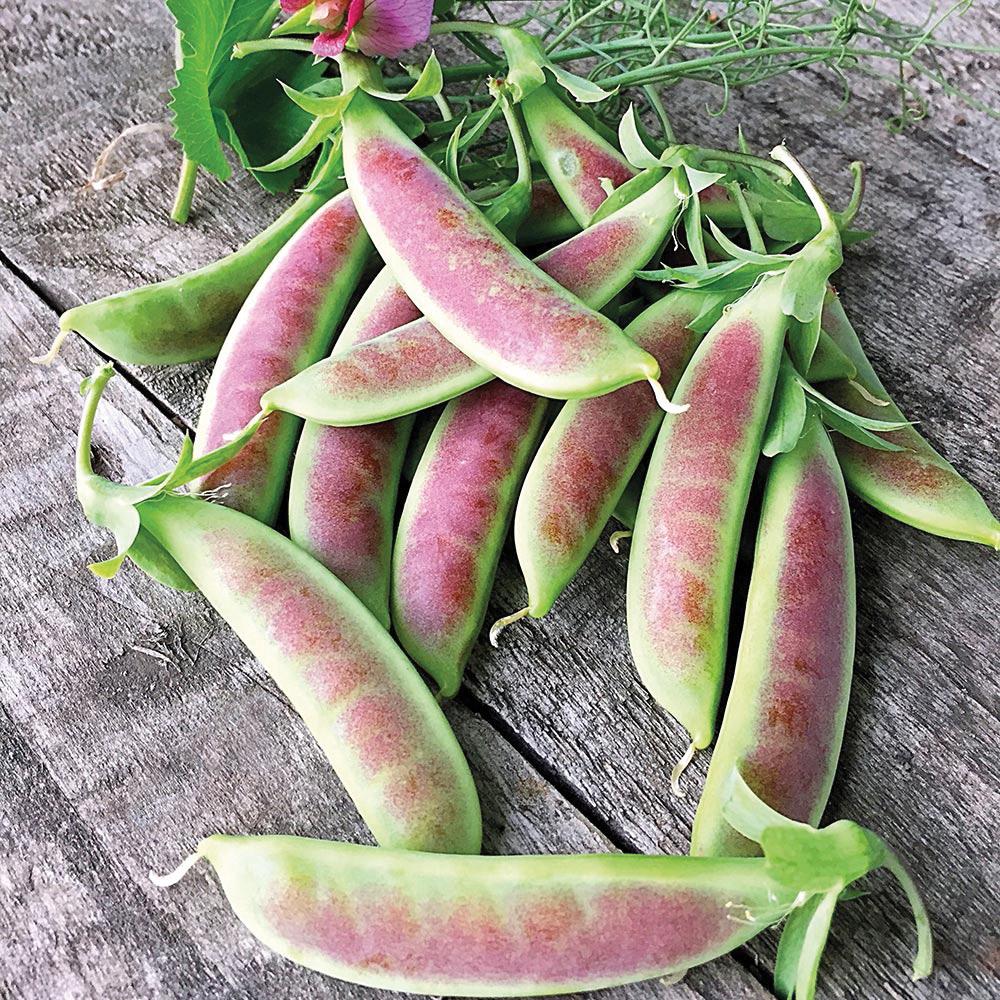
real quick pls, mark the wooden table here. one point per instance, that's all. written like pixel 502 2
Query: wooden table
pixel 133 722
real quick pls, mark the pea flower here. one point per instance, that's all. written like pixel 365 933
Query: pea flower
pixel 378 27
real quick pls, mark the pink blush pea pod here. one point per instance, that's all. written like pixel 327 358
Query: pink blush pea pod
pixel 414 367
pixel 344 482
pixel 683 551
pixel 917 486
pixel 357 693
pixel 476 287
pixel 490 926
pixel 579 162
pixel 454 523
pixel 784 719
pixel 285 325
pixel 590 453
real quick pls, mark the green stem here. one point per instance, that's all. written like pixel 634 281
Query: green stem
pixel 745 159
pixel 95 387
pixel 924 959
pixel 857 194
pixel 826 219
pixel 247 48
pixel 185 191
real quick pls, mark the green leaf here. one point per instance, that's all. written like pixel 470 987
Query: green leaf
pixel 260 123
pixel 584 90
pixel 628 192
pixel 428 84
pixel 869 423
pixel 807 276
pixel 837 422
pixel 320 130
pixel 632 144
pixel 788 413
pixel 802 340
pixel 813 946
pixel 790 944
pixel 207 33
pixel 810 860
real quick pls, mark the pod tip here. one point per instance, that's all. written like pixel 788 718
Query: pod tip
pixel 172 878
pixel 679 768
pixel 616 537
pixel 662 401
pixel 501 623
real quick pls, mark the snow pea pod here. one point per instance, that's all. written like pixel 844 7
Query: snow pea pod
pixel 415 367
pixel 688 525
pixel 540 925
pixel 579 162
pixel 285 325
pixel 473 284
pixel 187 318
pixel 362 700
pixel 344 481
pixel 592 449
pixel 784 719
pixel 454 523
pixel 916 486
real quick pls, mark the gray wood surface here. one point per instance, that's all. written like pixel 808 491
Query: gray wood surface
pixel 132 722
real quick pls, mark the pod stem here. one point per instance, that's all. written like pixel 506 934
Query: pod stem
pixel 94 389
pixel 185 191
pixel 662 401
pixel 679 768
pixel 501 623
pixel 924 959
pixel 172 878
pixel 616 537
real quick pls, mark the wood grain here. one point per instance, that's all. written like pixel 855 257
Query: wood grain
pixel 133 722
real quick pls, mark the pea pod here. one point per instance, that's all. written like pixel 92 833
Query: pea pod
pixel 187 318
pixel 579 162
pixel 360 697
pixel 285 325
pixel 688 525
pixel 687 530
pixel 784 718
pixel 917 485
pixel 592 450
pixel 476 287
pixel 344 481
pixel 539 925
pixel 454 523
pixel 415 367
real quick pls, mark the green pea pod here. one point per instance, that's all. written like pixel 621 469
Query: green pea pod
pixel 364 702
pixel 476 287
pixel 540 925
pixel 414 367
pixel 592 450
pixel 579 162
pixel 784 718
pixel 917 485
pixel 345 480
pixel 187 318
pixel 687 530
pixel 454 523
pixel 285 325
pixel 688 527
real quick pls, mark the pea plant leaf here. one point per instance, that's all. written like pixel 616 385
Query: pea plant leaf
pixel 788 412
pixel 207 33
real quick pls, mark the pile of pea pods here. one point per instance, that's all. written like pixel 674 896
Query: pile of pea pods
pixel 471 388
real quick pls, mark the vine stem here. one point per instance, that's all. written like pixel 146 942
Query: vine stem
pixel 185 191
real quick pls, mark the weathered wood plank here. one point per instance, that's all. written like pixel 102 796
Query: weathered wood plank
pixel 132 722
